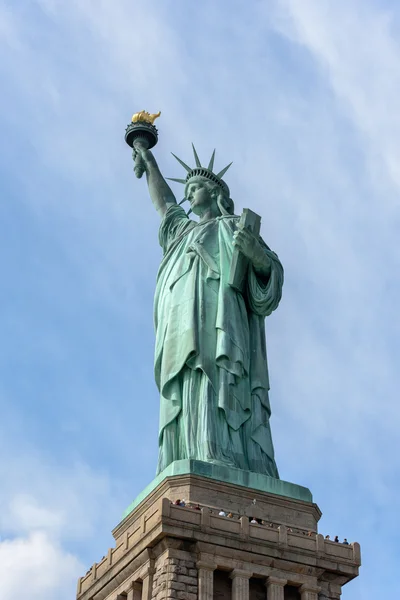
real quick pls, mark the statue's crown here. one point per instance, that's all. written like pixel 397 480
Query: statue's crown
pixel 200 171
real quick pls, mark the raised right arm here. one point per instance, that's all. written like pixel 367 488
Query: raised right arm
pixel 160 193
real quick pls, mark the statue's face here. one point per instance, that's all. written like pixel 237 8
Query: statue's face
pixel 199 196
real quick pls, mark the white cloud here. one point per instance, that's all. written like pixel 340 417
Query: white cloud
pixel 26 514
pixel 50 520
pixel 354 225
pixel 37 566
pixel 357 47
pixel 66 502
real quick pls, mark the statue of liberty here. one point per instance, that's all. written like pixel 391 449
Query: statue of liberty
pixel 210 353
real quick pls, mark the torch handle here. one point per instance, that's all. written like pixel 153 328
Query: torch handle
pixel 139 167
pixel 141 143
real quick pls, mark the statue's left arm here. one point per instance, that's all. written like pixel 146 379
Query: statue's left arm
pixel 265 274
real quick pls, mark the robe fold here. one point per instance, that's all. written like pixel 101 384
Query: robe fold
pixel 210 356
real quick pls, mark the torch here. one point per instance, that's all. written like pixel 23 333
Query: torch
pixel 141 130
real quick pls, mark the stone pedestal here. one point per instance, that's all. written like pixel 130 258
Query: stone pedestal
pixel 167 552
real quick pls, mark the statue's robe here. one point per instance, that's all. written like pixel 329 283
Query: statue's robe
pixel 210 357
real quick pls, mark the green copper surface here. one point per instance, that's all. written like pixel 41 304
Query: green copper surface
pixel 247 479
pixel 210 355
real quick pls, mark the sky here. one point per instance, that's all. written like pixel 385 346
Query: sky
pixel 302 96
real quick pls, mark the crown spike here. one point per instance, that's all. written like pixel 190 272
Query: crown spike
pixel 222 173
pixel 211 163
pixel 176 179
pixel 184 165
pixel 196 158
pixel 182 201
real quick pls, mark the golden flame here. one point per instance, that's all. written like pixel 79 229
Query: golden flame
pixel 145 116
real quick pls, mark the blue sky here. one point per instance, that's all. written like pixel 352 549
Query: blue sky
pixel 303 96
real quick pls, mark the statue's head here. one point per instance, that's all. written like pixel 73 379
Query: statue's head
pixel 203 194
pixel 203 187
